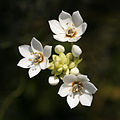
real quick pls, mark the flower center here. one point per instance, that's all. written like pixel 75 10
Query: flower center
pixel 77 87
pixel 38 58
pixel 71 32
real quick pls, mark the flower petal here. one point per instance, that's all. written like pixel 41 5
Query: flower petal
pixel 76 51
pixel 25 51
pixel 83 78
pixel 77 19
pixel 24 63
pixel 64 90
pixel 47 51
pixel 36 45
pixel 90 87
pixel 55 27
pixel 53 81
pixel 68 79
pixel 61 37
pixel 33 71
pixel 65 19
pixel 44 64
pixel 73 100
pixel 86 99
pixel 81 29
pixel 75 39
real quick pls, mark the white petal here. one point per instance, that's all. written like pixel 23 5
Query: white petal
pixel 86 99
pixel 65 19
pixel 90 87
pixel 24 63
pixel 76 51
pixel 83 78
pixel 55 27
pixel 47 51
pixel 25 51
pixel 77 19
pixel 61 37
pixel 64 90
pixel 53 81
pixel 36 45
pixel 81 29
pixel 69 79
pixel 44 64
pixel 33 71
pixel 75 39
pixel 73 100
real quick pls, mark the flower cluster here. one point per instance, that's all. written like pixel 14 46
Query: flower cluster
pixel 63 66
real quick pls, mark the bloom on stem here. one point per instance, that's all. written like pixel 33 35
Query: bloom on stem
pixel 35 57
pixel 77 89
pixel 68 28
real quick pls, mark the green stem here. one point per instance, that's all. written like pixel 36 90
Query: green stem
pixel 11 97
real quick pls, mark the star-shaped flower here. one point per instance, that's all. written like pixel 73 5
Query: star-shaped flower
pixel 35 57
pixel 77 89
pixel 68 28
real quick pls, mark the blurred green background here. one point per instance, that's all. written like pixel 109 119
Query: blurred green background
pixel 22 98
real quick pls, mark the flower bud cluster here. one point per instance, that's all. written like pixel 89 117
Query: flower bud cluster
pixel 63 64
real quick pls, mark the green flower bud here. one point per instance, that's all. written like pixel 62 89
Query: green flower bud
pixel 61 76
pixel 51 67
pixel 60 69
pixel 65 67
pixel 63 58
pixel 58 59
pixel 54 57
pixel 69 56
pixel 57 64
pixel 72 65
pixel 66 72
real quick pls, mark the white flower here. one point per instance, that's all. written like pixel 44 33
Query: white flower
pixel 76 51
pixel 68 28
pixel 59 49
pixel 77 89
pixel 53 80
pixel 35 57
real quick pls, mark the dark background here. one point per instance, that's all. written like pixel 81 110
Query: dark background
pixel 22 98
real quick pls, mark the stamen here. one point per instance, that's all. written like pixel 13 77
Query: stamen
pixel 30 59
pixel 31 53
pixel 77 87
pixel 38 58
pixel 71 32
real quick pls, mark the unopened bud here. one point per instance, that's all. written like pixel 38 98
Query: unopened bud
pixel 59 49
pixel 72 65
pixel 76 51
pixel 69 56
pixel 65 67
pixel 74 71
pixel 53 80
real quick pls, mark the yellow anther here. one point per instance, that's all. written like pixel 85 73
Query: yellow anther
pixel 30 59
pixel 31 53
pixel 81 92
